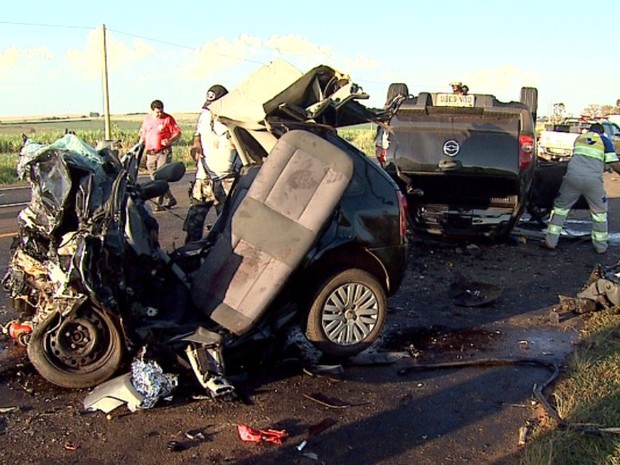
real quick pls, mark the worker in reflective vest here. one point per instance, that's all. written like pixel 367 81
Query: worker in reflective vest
pixel 593 153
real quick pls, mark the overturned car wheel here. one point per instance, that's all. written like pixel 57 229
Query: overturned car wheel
pixel 78 351
pixel 347 313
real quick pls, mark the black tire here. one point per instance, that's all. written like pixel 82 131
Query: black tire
pixel 335 324
pixel 78 351
pixel 529 97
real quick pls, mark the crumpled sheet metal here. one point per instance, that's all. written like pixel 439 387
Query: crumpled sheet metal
pixel 48 169
pixel 74 150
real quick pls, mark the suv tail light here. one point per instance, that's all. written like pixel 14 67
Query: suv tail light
pixel 402 203
pixel 526 151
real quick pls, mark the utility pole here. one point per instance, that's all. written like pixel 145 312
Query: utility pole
pixel 106 97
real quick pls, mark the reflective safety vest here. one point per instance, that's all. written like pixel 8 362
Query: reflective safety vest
pixel 591 145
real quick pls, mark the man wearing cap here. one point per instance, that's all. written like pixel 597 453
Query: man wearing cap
pixel 593 154
pixel 217 164
pixel 158 131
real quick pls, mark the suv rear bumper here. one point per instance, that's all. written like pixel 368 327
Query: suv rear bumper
pixel 445 220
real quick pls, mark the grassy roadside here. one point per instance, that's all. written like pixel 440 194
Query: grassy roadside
pixel 588 393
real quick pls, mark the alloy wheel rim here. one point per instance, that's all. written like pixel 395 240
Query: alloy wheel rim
pixel 350 314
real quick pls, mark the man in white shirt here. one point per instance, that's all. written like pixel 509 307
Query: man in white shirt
pixel 216 166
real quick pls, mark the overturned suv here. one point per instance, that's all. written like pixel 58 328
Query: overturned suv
pixel 465 161
pixel 312 232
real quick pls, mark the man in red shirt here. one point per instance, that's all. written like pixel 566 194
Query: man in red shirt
pixel 159 130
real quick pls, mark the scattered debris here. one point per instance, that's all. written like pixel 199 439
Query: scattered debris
pixel 467 293
pixel 376 358
pixel 327 401
pixel 195 435
pixel 175 446
pixel 249 434
pixel 149 379
pixel 114 393
pixel 600 292
pixel 139 389
pixel 18 331
pixel 318 370
pixel 9 409
pixel 523 433
pixel 71 447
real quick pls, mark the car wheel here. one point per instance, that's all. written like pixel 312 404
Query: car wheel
pixel 347 313
pixel 78 351
pixel 529 97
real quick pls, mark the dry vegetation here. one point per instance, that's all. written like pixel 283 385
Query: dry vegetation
pixel 124 130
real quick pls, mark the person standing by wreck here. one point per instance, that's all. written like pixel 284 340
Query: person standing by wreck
pixel 159 131
pixel 216 166
pixel 593 153
pixel 396 91
pixel 382 144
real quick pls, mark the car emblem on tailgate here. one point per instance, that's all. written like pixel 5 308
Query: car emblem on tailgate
pixel 451 148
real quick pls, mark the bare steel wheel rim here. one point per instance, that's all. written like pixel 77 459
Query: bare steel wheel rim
pixel 350 314
pixel 80 342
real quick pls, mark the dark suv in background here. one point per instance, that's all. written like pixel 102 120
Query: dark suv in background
pixel 465 161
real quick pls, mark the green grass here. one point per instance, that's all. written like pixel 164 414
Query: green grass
pixel 589 393
pixel 124 130
pixel 362 137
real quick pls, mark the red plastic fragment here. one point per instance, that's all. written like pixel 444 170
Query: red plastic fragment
pixel 17 329
pixel 249 434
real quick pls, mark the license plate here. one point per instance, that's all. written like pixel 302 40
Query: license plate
pixel 454 100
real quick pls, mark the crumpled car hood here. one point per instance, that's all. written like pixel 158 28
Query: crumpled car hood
pixel 46 167
pixel 279 91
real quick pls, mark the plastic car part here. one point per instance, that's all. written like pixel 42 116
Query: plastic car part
pixel 206 361
pixel 112 394
pixel 249 264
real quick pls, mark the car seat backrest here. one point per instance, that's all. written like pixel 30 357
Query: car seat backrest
pixel 271 230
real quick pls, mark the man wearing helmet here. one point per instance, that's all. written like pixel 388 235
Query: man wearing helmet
pixel 216 166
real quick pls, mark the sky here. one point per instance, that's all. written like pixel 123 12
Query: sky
pixel 51 60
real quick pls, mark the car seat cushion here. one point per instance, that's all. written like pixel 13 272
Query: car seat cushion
pixel 271 230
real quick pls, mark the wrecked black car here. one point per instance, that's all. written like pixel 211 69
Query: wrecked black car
pixel 466 161
pixel 312 233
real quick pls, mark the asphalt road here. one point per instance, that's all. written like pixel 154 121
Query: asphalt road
pixel 376 413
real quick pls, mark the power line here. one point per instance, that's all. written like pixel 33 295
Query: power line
pixel 151 40
pixel 62 26
pixel 182 46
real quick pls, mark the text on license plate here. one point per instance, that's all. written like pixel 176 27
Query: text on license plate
pixel 454 100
